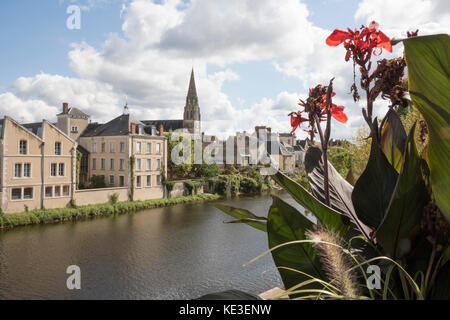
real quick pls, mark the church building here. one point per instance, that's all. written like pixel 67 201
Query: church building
pixel 191 116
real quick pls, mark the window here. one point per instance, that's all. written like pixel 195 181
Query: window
pixel 94 147
pixel 138 181
pixel 122 147
pixel 103 147
pixel 23 147
pixel 58 148
pixel 74 129
pixel 94 164
pixel 57 191
pixel 121 181
pixel 61 169
pixel 158 164
pixel 158 180
pixel 66 191
pixel 149 164
pixel 16 194
pixel 112 147
pixel 138 164
pixel 111 164
pixel 27 170
pixel 102 164
pixel 149 181
pixel 28 193
pixel 111 180
pixel 18 170
pixel 149 148
pixel 53 169
pixel 158 148
pixel 121 162
pixel 48 192
pixel 138 147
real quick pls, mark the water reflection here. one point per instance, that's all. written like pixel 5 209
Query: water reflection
pixel 178 252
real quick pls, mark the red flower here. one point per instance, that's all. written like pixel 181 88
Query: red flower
pixel 360 43
pixel 337 112
pixel 296 120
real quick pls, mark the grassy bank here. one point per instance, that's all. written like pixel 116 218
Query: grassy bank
pixel 83 212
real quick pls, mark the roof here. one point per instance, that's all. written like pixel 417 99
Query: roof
pixel 168 125
pixel 35 127
pixel 76 113
pixel 82 150
pixel 116 127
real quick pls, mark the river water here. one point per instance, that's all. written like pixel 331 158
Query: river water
pixel 179 252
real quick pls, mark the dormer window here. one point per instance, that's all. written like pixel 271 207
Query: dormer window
pixel 140 130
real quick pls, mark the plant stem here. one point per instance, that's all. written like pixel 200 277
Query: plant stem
pixel 430 264
pixel 325 161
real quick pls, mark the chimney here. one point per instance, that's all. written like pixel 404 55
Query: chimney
pixel 65 109
pixel 133 128
pixel 161 130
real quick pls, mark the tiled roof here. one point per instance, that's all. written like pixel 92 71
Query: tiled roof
pixel 115 127
pixel 168 125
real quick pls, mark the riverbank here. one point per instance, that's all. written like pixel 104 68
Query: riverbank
pixel 44 216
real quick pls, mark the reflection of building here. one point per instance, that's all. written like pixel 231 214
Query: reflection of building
pixel 191 116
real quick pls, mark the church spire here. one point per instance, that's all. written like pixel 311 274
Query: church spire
pixel 192 93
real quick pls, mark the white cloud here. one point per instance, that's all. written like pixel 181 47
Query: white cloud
pixel 150 62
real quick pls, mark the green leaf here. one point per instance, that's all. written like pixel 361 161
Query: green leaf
pixel 405 211
pixel 393 139
pixel 373 190
pixel 244 216
pixel 428 62
pixel 324 214
pixel 257 224
pixel 286 224
pixel 340 189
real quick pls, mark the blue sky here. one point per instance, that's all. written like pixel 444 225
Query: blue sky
pixel 249 71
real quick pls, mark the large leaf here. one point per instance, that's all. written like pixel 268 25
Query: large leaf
pixel 327 216
pixel 340 189
pixel 405 211
pixel 393 139
pixel 244 216
pixel 373 190
pixel 286 224
pixel 428 62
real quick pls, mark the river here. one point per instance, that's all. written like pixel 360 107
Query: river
pixel 179 252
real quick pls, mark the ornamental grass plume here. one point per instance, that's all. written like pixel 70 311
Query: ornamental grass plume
pixel 336 262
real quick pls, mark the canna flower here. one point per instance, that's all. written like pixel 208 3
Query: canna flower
pixel 296 120
pixel 337 112
pixel 360 44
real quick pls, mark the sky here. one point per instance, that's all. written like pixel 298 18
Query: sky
pixel 253 59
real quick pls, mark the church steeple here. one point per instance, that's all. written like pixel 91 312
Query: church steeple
pixel 192 110
pixel 192 90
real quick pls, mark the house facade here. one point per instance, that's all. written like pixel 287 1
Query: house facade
pixel 36 165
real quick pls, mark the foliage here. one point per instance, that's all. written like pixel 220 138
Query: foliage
pixel 82 212
pixel 114 198
pixel 341 159
pixel 396 218
pixel 178 170
pixel 132 168
pixel 193 186
pixel 205 170
pixel 97 182
pixel 73 203
pixel 78 167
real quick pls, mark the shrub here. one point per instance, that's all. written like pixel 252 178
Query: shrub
pixel 114 198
